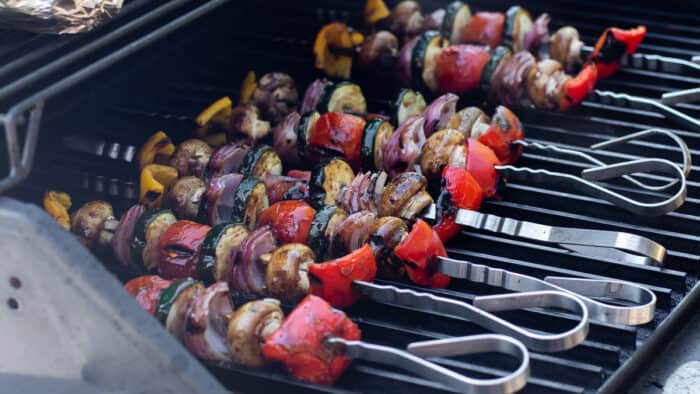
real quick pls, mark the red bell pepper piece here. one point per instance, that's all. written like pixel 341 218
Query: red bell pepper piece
pixel 612 45
pixel 459 191
pixel 418 252
pixel 289 220
pixel 481 162
pixel 179 247
pixel 339 133
pixel 458 68
pixel 576 89
pixel 147 289
pixel 300 342
pixel 334 278
pixel 300 174
pixel 484 28
pixel 505 128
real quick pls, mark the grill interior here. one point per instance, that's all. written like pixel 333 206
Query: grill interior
pixel 89 136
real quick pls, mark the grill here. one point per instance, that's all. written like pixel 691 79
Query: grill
pixel 90 130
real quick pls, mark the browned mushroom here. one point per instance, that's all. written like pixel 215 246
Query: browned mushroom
pixel 384 234
pixel 286 275
pixel 245 119
pixel 471 121
pixel 379 51
pixel 444 147
pixel 545 83
pixel 191 158
pixel 276 96
pixel 89 221
pixel 184 196
pixel 565 47
pixel 248 329
pixel 405 196
pixel 406 19
pixel 177 315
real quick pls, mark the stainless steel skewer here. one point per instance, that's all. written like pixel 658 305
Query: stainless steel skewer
pixel 648 62
pixel 475 344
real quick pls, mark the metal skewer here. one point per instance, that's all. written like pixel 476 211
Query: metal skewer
pixel 681 96
pixel 648 62
pixel 475 344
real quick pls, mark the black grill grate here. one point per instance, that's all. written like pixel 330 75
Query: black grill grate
pixel 166 86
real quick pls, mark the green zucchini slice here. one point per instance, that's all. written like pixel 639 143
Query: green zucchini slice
pixel 322 229
pixel 327 181
pixel 261 160
pixel 147 232
pixel 497 55
pixel 215 258
pixel 377 132
pixel 306 124
pixel 408 103
pixel 251 198
pixel 518 23
pixel 457 15
pixel 169 296
pixel 423 59
pixel 343 97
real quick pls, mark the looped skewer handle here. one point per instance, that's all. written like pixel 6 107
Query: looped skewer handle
pixel 604 240
pixel 625 100
pixel 433 372
pixel 430 303
pixel 640 313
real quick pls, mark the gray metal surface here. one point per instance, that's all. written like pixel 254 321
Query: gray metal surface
pixel 68 326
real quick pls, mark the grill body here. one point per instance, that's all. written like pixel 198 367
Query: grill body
pixel 89 134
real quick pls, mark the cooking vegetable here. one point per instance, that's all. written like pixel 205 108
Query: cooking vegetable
pixel 154 179
pixel 480 164
pixel 518 23
pixel 484 28
pixel 57 205
pixel 184 197
pixel 306 125
pixel 247 88
pixel 261 160
pixel 249 327
pixel 576 89
pixel 206 327
pixel 459 191
pixel 281 188
pixel 406 19
pixel 497 55
pixel 363 193
pixel 327 180
pixel 333 49
pixel 215 118
pixel 352 233
pixel 290 221
pixel 220 201
pixel 226 159
pixel 89 221
pixel 219 245
pixel 612 45
pixel 403 148
pixel 124 234
pixel 343 97
pixel 285 138
pixel 457 15
pixel 378 53
pixel 148 230
pixel 444 147
pixel 423 60
pixel 323 227
pixel 384 235
pixel 418 251
pixel 157 149
pixel 545 82
pixel 147 290
pixel 338 134
pixel 376 134
pixel 276 96
pixel 248 271
pixel 250 200
pixel 191 157
pixel 405 196
pixel 333 279
pixel 509 82
pixel 286 275
pixel 375 11
pixel 565 47
pixel 179 247
pixel 313 95
pixel 505 128
pixel 245 121
pixel 174 303
pixel 458 68
pixel 439 112
pixel 404 72
pixel 434 20
pixel 408 103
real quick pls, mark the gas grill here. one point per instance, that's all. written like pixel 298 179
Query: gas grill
pixel 77 108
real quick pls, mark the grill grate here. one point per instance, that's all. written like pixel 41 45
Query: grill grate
pixel 89 153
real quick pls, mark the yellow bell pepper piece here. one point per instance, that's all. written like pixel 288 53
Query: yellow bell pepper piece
pixel 248 88
pixel 158 146
pixel 214 118
pixel 375 10
pixel 334 48
pixel 155 178
pixel 57 205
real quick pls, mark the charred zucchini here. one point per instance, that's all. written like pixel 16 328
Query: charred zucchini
pixel 343 97
pixel 327 180
pixel 147 232
pixel 251 198
pixel 497 55
pixel 322 228
pixel 169 296
pixel 457 15
pixel 423 58
pixel 518 23
pixel 306 124
pixel 215 257
pixel 377 132
pixel 408 103
pixel 260 161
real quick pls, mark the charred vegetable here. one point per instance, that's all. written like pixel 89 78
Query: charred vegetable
pixel 157 149
pixel 327 181
pixel 408 103
pixel 249 327
pixel 179 247
pixel 154 180
pixel 276 96
pixel 323 227
pixel 457 15
pixel 174 303
pixel 260 161
pixel 184 197
pixel 250 200
pixel 218 247
pixel 423 60
pixel 215 118
pixel 206 326
pixel 89 221
pixel 245 121
pixel 57 205
pixel 146 236
pixel 343 97
pixel 191 158
pixel 405 196
pixel 376 134
pixel 286 276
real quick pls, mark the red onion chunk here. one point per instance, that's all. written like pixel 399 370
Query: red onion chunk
pixel 226 159
pixel 281 188
pixel 439 113
pixel 220 196
pixel 402 150
pixel 538 35
pixel 124 234
pixel 352 232
pixel 248 273
pixel 508 83
pixel 284 138
pixel 313 95
pixel 403 66
pixel 207 322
